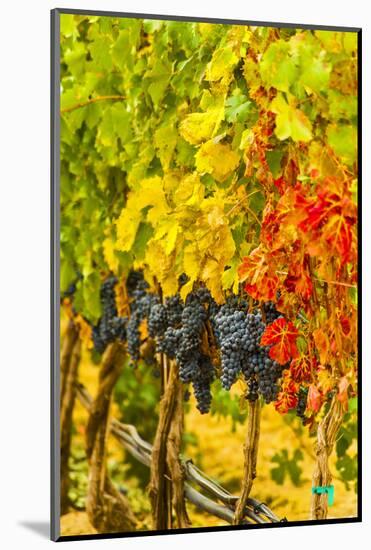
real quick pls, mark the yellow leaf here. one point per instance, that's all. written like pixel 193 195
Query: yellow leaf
pixel 206 30
pixel 165 139
pixel 192 261
pixel 167 232
pixel 171 182
pixel 325 380
pixel 222 63
pixel 211 276
pixel 109 254
pixel 190 190
pixel 230 277
pixel 127 224
pixel 198 127
pixel 161 265
pixel 186 289
pixel 290 121
pixel 216 159
pixel 150 194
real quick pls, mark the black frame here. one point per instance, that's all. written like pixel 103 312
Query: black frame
pixel 55 261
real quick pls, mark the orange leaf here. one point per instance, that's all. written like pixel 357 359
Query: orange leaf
pixel 325 380
pixel 343 392
pixel 287 398
pixel 330 217
pixel 300 284
pixel 282 335
pixel 314 398
pixel 260 282
pixel 301 368
pixel 322 344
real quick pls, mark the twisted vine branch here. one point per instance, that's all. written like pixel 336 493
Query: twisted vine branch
pixel 128 437
pixel 70 359
pixel 326 437
pixel 92 100
pixel 108 510
pixel 250 457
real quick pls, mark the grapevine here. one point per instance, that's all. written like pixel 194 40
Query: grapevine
pixel 209 181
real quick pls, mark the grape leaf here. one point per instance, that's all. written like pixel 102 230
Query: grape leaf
pixel 282 336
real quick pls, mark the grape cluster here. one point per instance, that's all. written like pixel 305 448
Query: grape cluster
pixel 253 390
pixel 141 305
pixel 110 326
pixel 174 308
pixel 238 334
pixel 157 320
pixel 177 329
pixel 169 342
pixel 135 283
pixel 271 313
pixel 202 382
pixel 133 336
pixel 302 403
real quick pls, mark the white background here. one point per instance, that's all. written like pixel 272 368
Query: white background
pixel 25 268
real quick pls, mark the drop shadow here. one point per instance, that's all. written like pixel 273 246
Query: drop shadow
pixel 42 528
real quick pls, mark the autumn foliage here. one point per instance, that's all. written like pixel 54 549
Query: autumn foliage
pixel 227 153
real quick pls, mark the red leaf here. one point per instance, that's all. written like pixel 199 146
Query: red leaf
pixel 330 217
pixel 287 398
pixel 301 369
pixel 282 335
pixel 280 184
pixel 300 284
pixel 260 282
pixel 345 325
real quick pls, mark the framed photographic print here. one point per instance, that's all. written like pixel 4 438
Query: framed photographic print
pixel 205 248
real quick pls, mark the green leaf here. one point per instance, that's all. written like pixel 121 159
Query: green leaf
pixel 274 159
pixel 165 140
pixel 222 62
pixel 342 106
pixel 237 108
pixel 278 68
pixel 144 233
pixel 121 122
pixel 67 275
pixel 76 59
pixel 91 296
pixel 343 139
pixel 101 53
pixel 68 25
